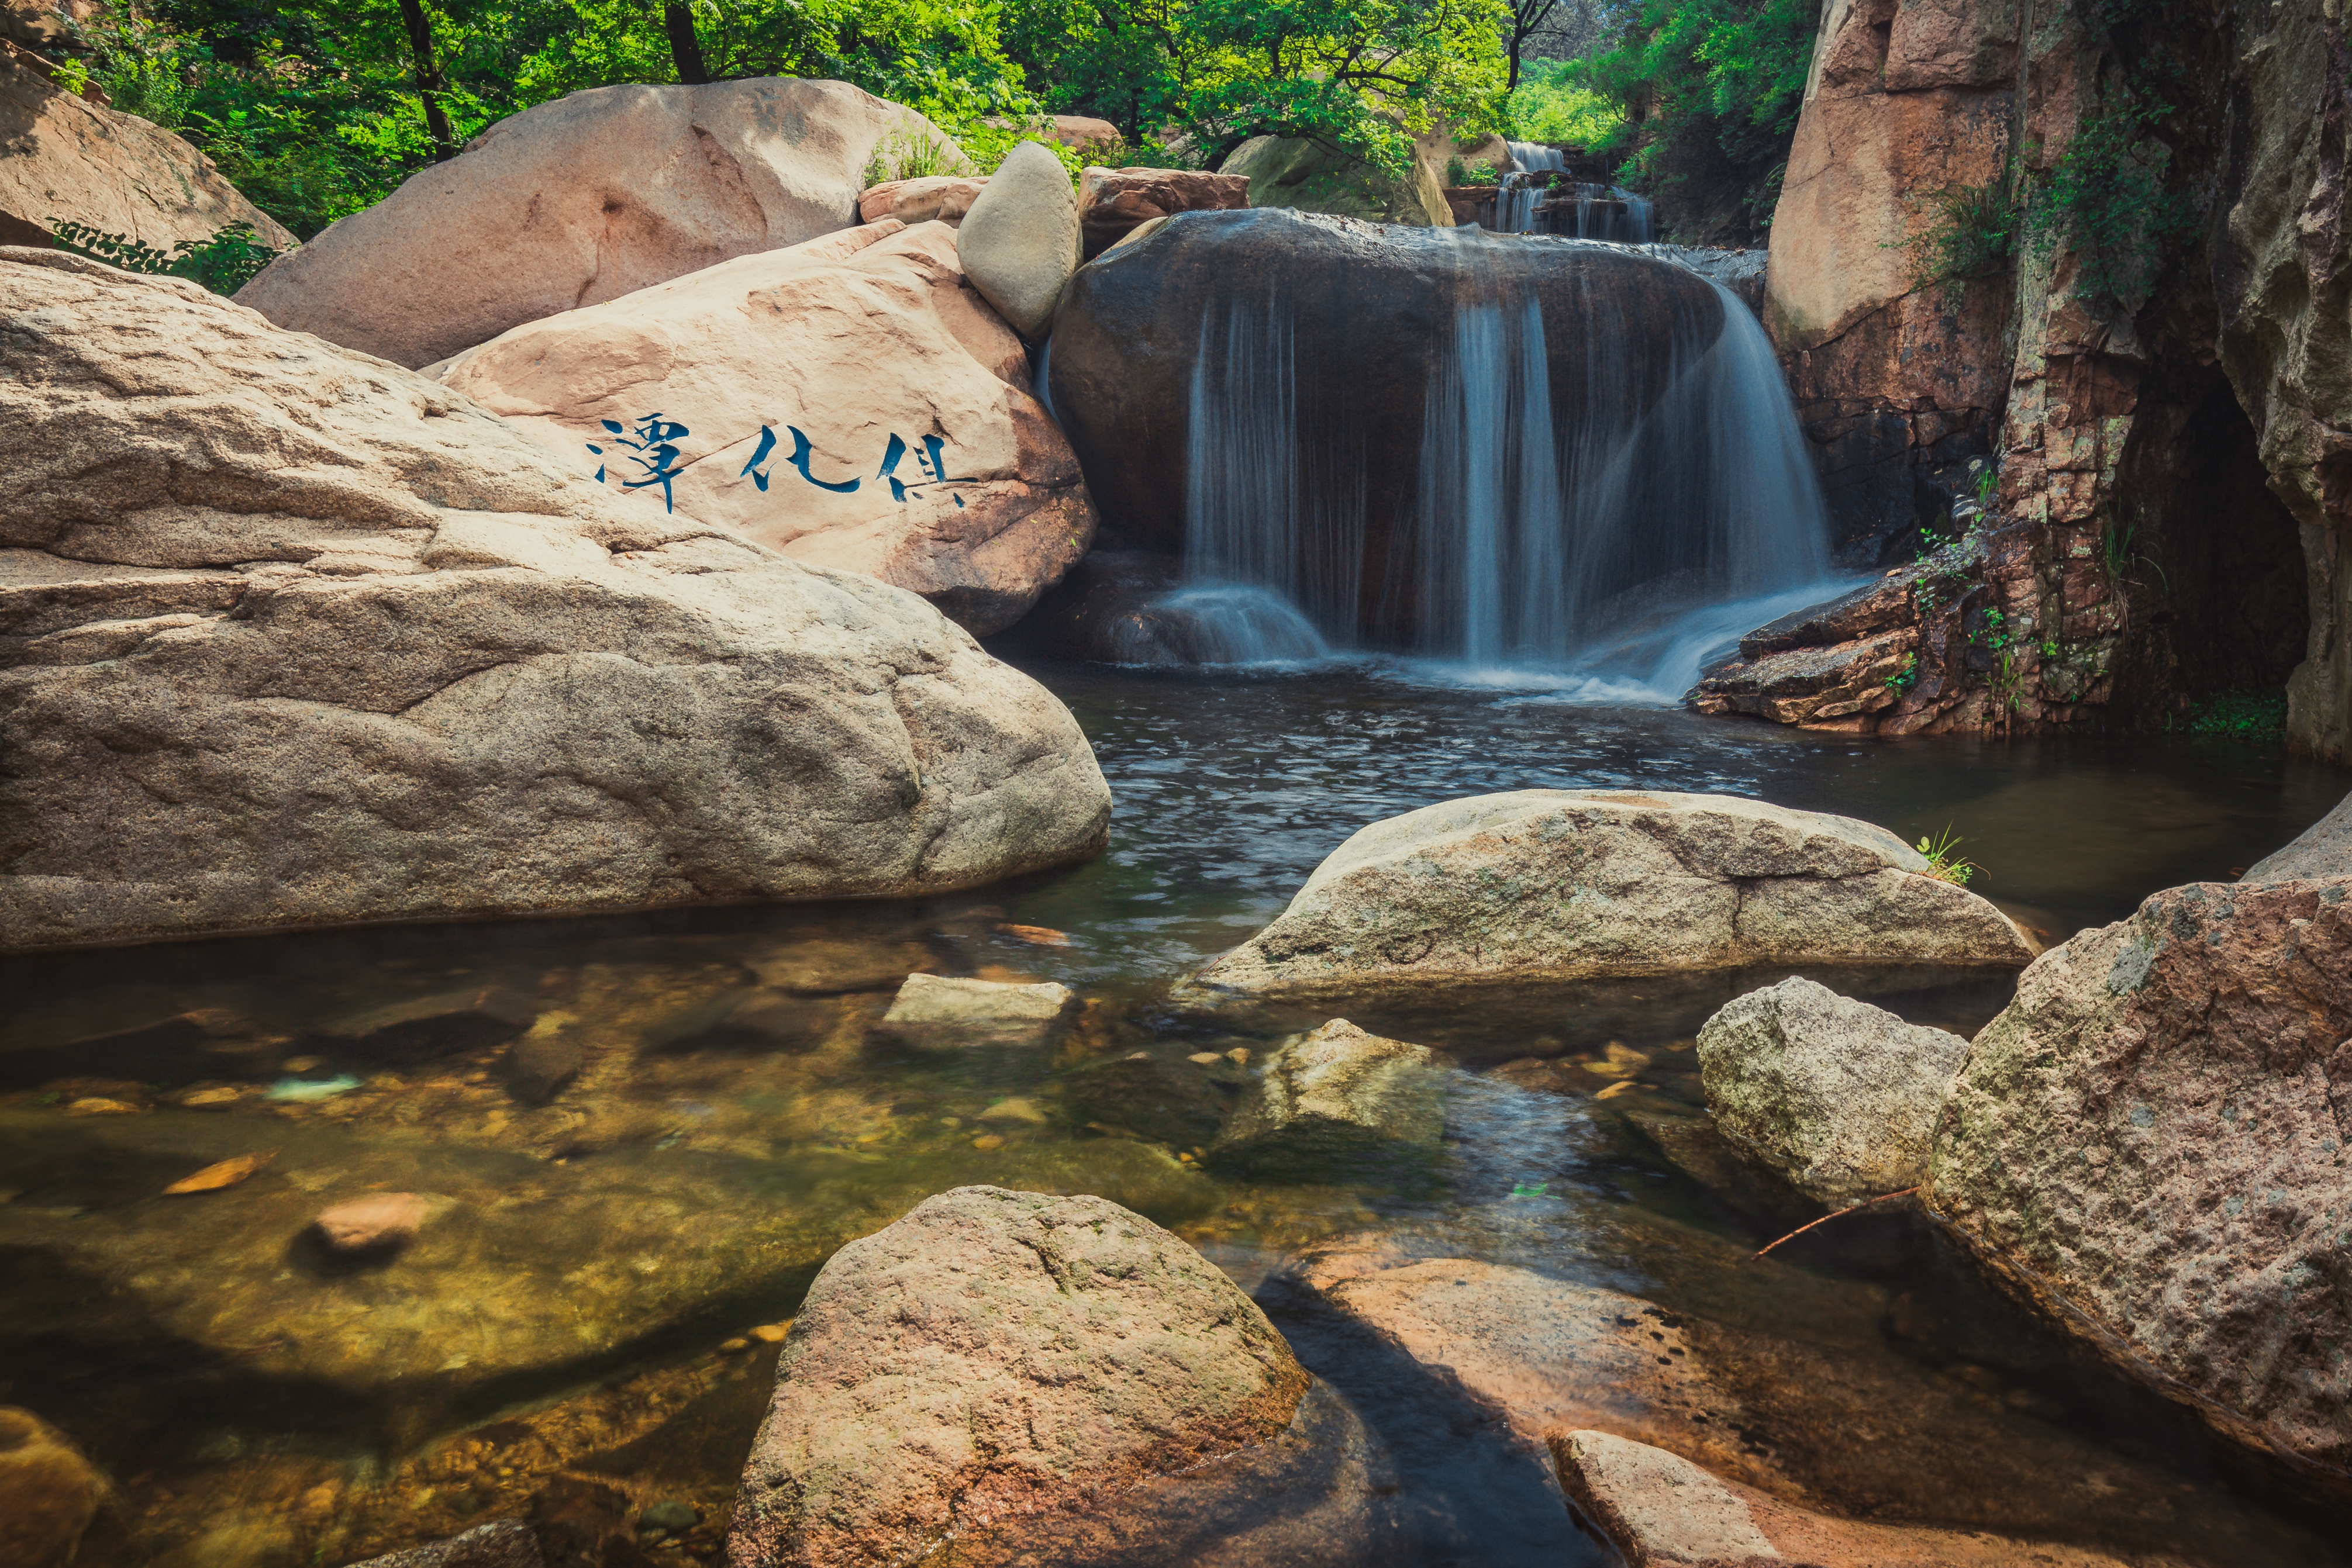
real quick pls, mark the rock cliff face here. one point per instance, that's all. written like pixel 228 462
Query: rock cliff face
pixel 2172 419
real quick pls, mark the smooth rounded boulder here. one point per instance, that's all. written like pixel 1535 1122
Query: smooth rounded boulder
pixel 851 401
pixel 2150 1145
pixel 573 203
pixel 1838 1096
pixel 1578 884
pixel 289 636
pixel 1020 239
pixel 995 1359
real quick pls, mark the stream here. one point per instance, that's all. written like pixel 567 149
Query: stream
pixel 587 1322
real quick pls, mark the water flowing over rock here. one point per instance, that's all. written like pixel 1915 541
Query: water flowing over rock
pixel 296 637
pixel 1336 1097
pixel 1591 883
pixel 2149 1145
pixel 851 401
pixel 1451 443
pixel 1663 1511
pixel 997 1357
pixel 1839 1096
pixel 581 201
pixel 1020 241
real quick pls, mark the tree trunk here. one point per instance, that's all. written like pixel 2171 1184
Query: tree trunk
pixel 430 83
pixel 684 47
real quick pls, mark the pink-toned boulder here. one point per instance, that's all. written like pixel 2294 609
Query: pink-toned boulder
pixel 581 201
pixel 946 197
pixel 852 402
pixel 1112 203
pixel 1086 130
pixel 1660 1511
pixel 71 159
pixel 370 1224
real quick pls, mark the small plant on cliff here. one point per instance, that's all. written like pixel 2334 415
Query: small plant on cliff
pixel 1903 679
pixel 1974 233
pixel 2106 200
pixel 1945 862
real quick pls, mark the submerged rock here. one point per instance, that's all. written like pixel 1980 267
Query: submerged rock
pixel 390 660
pixel 1663 1511
pixel 583 200
pixel 1594 884
pixel 1334 1099
pixel 376 1223
pixel 502 1543
pixel 941 1012
pixel 1020 240
pixel 851 402
pixel 2150 1144
pixel 993 1357
pixel 48 1492
pixel 1838 1096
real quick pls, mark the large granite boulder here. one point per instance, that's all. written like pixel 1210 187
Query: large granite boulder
pixel 1838 1096
pixel 1297 363
pixel 1335 1099
pixel 71 160
pixel 851 401
pixel 2150 1144
pixel 1312 176
pixel 1114 203
pixel 291 636
pixel 580 201
pixel 997 1357
pixel 1660 1511
pixel 2322 849
pixel 1018 240
pixel 1576 884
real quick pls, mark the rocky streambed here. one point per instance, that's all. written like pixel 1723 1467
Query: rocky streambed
pixel 634 1141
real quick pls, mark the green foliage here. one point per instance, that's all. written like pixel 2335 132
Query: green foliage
pixel 1555 102
pixel 1903 679
pixel 224 262
pixel 1731 70
pixel 2106 199
pixel 1945 862
pixel 2239 716
pixel 1975 231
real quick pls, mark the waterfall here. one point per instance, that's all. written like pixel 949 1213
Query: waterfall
pixel 1529 541
pixel 1600 212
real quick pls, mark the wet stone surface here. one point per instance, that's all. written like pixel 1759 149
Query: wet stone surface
pixel 633 1143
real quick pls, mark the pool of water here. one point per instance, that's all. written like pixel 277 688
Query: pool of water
pixel 639 1137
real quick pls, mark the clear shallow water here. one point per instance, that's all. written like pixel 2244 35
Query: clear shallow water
pixel 567 1339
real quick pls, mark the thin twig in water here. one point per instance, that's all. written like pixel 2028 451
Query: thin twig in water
pixel 1841 1214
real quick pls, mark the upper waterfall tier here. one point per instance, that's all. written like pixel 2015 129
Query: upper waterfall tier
pixel 1441 441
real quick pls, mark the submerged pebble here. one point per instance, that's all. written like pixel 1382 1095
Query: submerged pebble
pixel 366 1224
pixel 301 1091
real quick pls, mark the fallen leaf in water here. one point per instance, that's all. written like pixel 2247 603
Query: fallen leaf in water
pixel 221 1174
pixel 1626 1056
pixel 987 1143
pixel 1611 1069
pixel 1614 1089
pixel 95 1106
pixel 772 1333
pixel 302 1064
pixel 210 1097
pixel 1205 1058
pixel 1041 936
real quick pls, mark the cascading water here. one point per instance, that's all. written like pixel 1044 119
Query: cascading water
pixel 1580 210
pixel 1601 548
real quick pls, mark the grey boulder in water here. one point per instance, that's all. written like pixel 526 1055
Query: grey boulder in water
pixel 293 636
pixel 1574 884
pixel 1336 1096
pixel 1838 1096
